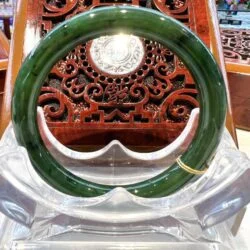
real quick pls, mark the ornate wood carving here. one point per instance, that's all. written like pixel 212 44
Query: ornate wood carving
pixel 159 91
pixel 236 45
pixel 152 101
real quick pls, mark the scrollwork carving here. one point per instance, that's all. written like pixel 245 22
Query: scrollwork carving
pixel 55 8
pixel 179 104
pixel 178 9
pixel 56 105
pixel 153 84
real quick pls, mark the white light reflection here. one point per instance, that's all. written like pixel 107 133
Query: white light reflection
pixel 118 54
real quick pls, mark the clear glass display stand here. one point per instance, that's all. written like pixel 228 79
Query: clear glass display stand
pixel 199 216
pixel 161 234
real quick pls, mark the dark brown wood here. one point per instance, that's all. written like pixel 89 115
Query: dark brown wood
pixel 236 47
pixel 239 85
pixel 2 81
pixel 6 23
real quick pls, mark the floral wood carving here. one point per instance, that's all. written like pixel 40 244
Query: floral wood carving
pixel 236 45
pixel 178 9
pixel 159 93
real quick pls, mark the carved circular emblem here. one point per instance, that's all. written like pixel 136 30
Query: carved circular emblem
pixel 117 54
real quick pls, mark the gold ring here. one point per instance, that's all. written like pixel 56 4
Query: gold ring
pixel 189 169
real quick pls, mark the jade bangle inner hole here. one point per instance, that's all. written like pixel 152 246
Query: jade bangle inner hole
pixel 122 86
pixel 119 63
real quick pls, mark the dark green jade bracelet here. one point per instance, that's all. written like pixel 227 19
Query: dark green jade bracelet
pixel 108 21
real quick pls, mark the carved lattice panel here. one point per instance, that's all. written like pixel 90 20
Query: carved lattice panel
pixel 159 91
pixel 236 45
pixel 55 11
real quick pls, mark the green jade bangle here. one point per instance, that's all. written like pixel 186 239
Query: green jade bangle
pixel 108 21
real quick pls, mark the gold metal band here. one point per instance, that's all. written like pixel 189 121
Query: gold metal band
pixel 189 169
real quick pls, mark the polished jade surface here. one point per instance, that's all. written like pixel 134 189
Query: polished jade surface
pixel 107 21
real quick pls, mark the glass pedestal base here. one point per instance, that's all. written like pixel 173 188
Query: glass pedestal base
pixel 165 234
pixel 36 216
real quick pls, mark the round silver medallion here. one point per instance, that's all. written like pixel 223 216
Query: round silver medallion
pixel 117 54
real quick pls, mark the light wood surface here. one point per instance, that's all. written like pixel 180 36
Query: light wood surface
pixel 16 55
pixel 238 68
pixel 4 51
pixel 217 51
pixel 4 54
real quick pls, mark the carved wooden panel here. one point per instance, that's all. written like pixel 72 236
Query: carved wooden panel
pixel 159 91
pixel 152 100
pixel 236 45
